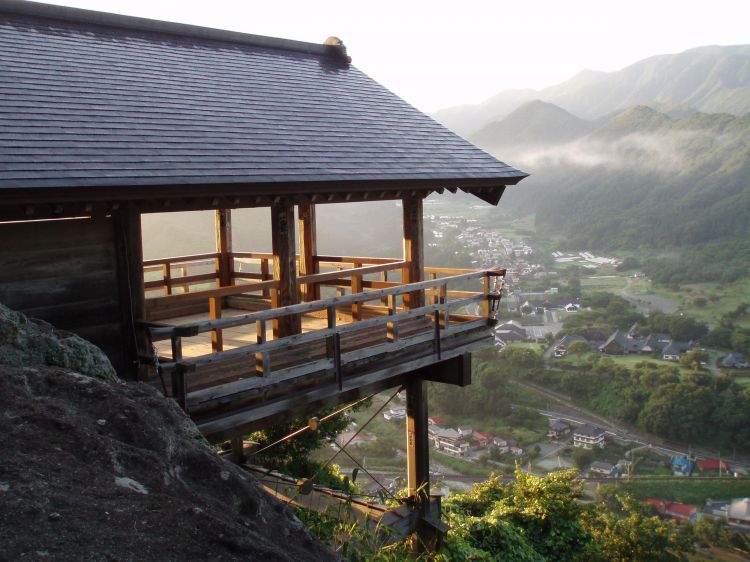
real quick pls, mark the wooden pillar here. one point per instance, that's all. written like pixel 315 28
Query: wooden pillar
pixel 418 458
pixel 224 261
pixel 308 249
pixel 284 266
pixel 129 244
pixel 413 249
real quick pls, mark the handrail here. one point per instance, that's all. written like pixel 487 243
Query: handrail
pixel 302 308
pixel 322 333
pixel 228 291
pixel 180 259
pixel 253 255
pixel 365 270
pixel 440 312
pixel 352 259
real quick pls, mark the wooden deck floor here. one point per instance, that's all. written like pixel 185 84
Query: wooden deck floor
pixel 233 337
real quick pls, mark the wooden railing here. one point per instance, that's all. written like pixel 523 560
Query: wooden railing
pixel 167 267
pixel 438 311
pixel 344 274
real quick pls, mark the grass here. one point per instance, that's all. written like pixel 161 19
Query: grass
pixel 722 298
pixel 628 361
pixel 610 284
pixel 457 464
pixel 687 490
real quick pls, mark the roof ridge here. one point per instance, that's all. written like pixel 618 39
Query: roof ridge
pixel 79 15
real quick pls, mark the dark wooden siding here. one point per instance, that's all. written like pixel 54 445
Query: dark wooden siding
pixel 65 272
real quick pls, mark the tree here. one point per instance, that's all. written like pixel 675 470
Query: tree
pixel 578 348
pixel 694 356
pixel 629 263
pixel 628 533
pixel 583 458
pixel 292 456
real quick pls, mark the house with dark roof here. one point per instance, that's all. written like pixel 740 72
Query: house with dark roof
pixel 561 347
pixel 675 349
pixel 620 344
pixel 108 118
pixel 510 331
pixel 603 468
pixel 558 429
pixel 735 361
pixel 588 436
pixel 655 343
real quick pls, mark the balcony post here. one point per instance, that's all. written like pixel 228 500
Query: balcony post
pixel 284 267
pixel 224 260
pixel 308 250
pixel 413 249
pixel 418 459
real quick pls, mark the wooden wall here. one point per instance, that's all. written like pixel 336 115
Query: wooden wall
pixel 65 272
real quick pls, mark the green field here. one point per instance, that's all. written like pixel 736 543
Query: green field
pixel 612 284
pixel 721 298
pixel 629 361
pixel 687 490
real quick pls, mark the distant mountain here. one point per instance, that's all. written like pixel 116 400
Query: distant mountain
pixel 535 123
pixel 709 79
pixel 641 178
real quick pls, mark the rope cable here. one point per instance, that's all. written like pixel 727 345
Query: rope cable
pixel 307 427
pixel 329 461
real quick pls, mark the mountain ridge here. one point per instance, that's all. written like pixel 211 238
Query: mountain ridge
pixel 711 78
pixel 639 179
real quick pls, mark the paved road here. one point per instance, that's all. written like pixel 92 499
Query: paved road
pixel 564 409
pixel 647 303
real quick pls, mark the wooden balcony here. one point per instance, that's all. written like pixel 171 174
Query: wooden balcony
pixel 233 372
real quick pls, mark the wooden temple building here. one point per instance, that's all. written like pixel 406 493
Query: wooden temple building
pixel 106 118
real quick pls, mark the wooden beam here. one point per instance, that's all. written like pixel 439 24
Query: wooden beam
pixel 417 441
pixel 224 259
pixel 129 244
pixel 413 249
pixel 284 267
pixel 308 250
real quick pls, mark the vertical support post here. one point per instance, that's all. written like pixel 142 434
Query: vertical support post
pixel 284 267
pixel 224 259
pixel 356 288
pixel 417 454
pixel 166 274
pixel 214 312
pixel 333 346
pixel 179 386
pixel 442 297
pixel 262 359
pixel 238 450
pixel 486 301
pixel 131 291
pixel 391 327
pixel 413 249
pixel 308 250
pixel 264 276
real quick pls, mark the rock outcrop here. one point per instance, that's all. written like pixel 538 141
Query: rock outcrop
pixel 96 469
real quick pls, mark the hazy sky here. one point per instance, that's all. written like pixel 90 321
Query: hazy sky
pixel 438 53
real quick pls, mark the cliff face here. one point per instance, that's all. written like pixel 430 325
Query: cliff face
pixel 95 469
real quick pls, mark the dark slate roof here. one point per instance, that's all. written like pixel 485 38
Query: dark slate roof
pixel 589 430
pixel 91 99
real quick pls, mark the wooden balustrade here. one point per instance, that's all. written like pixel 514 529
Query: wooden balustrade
pixel 349 274
pixel 438 312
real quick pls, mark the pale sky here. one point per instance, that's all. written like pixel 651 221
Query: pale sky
pixel 437 53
